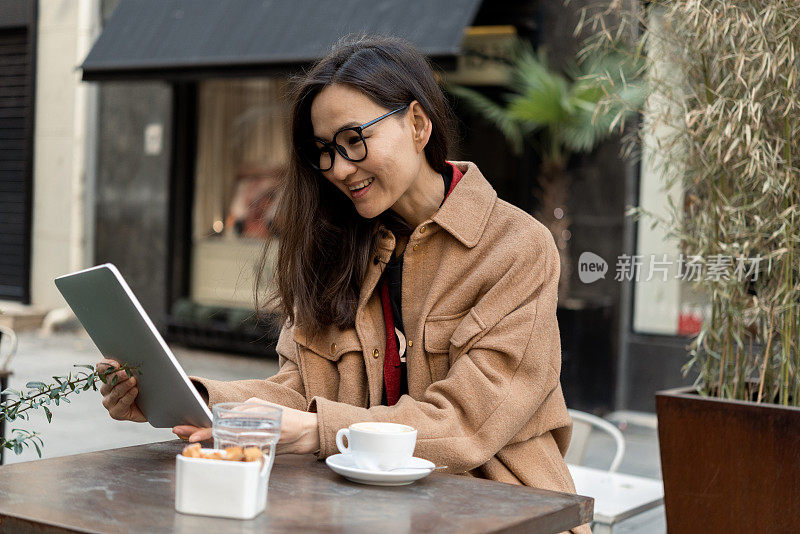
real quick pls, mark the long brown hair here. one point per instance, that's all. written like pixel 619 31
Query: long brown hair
pixel 325 245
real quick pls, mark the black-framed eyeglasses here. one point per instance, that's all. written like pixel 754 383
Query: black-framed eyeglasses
pixel 348 142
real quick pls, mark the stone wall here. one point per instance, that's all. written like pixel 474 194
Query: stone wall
pixel 132 192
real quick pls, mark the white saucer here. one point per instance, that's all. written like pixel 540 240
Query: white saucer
pixel 415 469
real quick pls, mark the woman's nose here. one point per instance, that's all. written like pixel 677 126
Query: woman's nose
pixel 342 168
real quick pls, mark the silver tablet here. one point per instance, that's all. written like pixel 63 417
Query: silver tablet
pixel 119 326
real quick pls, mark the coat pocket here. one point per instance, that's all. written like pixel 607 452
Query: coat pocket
pixel 436 337
pixel 466 333
pixel 332 366
pixel 329 345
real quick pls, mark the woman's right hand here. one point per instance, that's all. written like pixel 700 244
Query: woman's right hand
pixel 120 399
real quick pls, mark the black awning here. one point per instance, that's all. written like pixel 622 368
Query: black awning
pixel 173 39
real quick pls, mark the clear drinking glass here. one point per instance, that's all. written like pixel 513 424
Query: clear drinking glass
pixel 239 424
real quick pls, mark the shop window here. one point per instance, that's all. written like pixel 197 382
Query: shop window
pixel 242 149
pixel 665 301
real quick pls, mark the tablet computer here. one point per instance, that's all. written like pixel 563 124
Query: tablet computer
pixel 119 326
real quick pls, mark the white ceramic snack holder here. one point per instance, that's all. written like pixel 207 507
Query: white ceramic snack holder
pixel 220 488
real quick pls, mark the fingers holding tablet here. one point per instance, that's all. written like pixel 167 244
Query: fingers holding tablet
pixel 105 364
pixel 120 398
pixel 192 433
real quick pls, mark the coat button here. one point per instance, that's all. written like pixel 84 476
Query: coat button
pixel 416 247
pixel 333 348
pixel 410 343
pixel 376 353
pixel 422 229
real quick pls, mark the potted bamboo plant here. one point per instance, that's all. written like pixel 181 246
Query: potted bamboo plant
pixel 723 116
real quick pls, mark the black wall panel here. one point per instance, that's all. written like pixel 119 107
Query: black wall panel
pixel 17 40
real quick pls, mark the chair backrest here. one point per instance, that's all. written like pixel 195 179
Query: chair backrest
pixel 582 424
pixel 8 342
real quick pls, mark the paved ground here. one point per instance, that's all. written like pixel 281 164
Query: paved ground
pixel 84 425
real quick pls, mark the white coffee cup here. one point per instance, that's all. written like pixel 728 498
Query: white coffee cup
pixel 378 446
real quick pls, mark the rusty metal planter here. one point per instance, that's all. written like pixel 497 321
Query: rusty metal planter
pixel 728 466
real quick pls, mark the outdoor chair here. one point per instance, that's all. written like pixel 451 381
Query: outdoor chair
pixel 616 496
pixel 582 424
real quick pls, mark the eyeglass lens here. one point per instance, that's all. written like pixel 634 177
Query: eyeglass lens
pixel 349 143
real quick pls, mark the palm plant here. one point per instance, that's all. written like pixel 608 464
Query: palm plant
pixel 560 114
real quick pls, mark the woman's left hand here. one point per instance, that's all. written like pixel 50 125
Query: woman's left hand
pixel 299 434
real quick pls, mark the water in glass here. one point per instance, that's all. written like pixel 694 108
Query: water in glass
pixel 241 425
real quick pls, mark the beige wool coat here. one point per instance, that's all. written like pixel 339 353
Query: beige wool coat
pixel 479 297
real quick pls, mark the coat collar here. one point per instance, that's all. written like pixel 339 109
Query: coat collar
pixel 466 210
pixel 464 214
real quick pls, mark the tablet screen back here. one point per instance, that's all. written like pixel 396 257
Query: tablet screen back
pixel 119 326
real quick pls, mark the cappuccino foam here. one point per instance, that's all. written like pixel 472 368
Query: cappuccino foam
pixel 381 428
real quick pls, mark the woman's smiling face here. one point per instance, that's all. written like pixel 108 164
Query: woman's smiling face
pixel 393 159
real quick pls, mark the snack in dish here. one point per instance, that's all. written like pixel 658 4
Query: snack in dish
pixel 234 454
pixel 252 454
pixel 192 451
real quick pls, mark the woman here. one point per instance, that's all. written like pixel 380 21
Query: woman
pixel 380 234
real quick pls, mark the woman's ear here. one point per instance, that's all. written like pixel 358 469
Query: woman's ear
pixel 421 125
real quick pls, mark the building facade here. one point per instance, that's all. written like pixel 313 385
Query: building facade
pixel 166 170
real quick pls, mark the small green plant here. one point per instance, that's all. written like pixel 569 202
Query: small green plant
pixel 39 395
